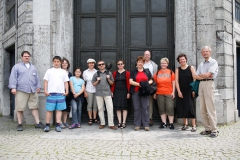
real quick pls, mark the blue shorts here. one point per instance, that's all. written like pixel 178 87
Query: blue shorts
pixel 56 101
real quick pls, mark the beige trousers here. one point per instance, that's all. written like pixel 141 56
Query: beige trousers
pixel 109 106
pixel 207 108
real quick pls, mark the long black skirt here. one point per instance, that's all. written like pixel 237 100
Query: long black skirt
pixel 120 99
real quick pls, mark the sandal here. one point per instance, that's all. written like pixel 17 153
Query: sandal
pixel 90 122
pixel 95 121
pixel 194 129
pixel 123 125
pixel 119 125
pixel 72 126
pixel 184 127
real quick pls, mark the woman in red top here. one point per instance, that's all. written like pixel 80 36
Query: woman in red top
pixel 165 94
pixel 120 92
pixel 140 103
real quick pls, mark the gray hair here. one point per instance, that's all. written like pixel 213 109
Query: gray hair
pixel 206 47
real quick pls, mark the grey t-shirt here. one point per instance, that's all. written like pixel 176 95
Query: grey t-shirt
pixel 103 87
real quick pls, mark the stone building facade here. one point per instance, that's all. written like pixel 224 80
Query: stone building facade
pixel 45 28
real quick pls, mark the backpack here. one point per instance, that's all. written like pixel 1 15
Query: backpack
pixel 107 73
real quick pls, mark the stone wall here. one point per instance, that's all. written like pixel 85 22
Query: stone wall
pixel 1 59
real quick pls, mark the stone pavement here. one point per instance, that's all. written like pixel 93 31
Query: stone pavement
pixel 89 142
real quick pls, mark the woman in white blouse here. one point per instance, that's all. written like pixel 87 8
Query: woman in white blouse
pixel 90 91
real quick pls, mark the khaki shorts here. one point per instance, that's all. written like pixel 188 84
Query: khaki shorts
pixel 22 99
pixel 165 105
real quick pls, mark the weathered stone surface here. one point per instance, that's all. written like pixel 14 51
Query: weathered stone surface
pixel 25 17
pixel 225 82
pixel 10 41
pixel 225 4
pixel 225 71
pixel 25 48
pixel 25 28
pixel 222 25
pixel 41 12
pixel 223 14
pixel 222 47
pixel 25 39
pixel 205 12
pixel 27 6
pixel 224 37
pixel 224 59
pixel 226 93
pixel 64 36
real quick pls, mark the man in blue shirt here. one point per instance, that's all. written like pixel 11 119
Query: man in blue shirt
pixel 24 84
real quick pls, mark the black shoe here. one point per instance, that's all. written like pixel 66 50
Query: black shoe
pixel 171 126
pixel 39 125
pixel 19 127
pixel 150 122
pixel 163 125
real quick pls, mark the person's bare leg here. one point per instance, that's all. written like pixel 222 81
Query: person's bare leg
pixel 119 115
pixel 58 116
pixel 48 116
pixel 19 116
pixel 64 116
pixel 193 122
pixel 171 119
pixel 35 114
pixel 90 114
pixel 94 114
pixel 124 116
pixel 164 118
pixel 185 121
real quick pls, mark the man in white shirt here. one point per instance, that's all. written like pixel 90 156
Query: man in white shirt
pixel 56 90
pixel 153 67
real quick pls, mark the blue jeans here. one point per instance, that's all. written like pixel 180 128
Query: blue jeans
pixel 76 111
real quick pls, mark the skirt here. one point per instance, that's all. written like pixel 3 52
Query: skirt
pixel 120 99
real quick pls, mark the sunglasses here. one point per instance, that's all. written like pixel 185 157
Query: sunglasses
pixel 120 64
pixel 102 64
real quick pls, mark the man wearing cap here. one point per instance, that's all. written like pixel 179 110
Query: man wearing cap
pixel 102 80
pixel 90 91
pixel 207 71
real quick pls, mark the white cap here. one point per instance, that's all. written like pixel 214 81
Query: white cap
pixel 91 60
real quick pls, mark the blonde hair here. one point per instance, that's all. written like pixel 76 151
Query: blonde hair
pixel 164 59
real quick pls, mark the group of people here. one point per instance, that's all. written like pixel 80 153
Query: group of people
pixel 63 89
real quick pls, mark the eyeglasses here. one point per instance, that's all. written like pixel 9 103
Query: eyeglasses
pixel 120 64
pixel 102 64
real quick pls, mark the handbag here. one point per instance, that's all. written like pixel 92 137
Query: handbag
pixel 153 88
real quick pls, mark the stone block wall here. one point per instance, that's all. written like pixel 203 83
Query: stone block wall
pixel 1 58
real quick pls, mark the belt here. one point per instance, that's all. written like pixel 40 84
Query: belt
pixel 206 80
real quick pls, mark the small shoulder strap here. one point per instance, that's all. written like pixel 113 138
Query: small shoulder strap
pixel 98 73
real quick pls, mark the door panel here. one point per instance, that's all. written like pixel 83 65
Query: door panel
pixel 138 5
pixel 159 31
pixel 108 5
pixel 158 5
pixel 87 32
pixel 88 6
pixel 138 31
pixel 109 32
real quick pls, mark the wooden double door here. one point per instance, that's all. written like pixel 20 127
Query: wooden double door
pixel 123 29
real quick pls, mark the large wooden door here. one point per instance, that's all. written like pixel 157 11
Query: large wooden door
pixel 112 29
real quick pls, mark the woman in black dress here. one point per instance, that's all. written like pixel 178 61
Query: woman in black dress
pixel 120 92
pixel 185 97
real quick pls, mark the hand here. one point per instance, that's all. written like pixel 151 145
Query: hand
pixel 65 94
pixel 98 78
pixel 13 91
pixel 108 76
pixel 111 94
pixel 47 94
pixel 85 94
pixel 154 96
pixel 75 95
pixel 173 95
pixel 139 85
pixel 128 96
pixel 180 94
pixel 38 89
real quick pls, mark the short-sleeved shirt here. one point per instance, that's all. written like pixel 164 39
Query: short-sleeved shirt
pixel 164 81
pixel 87 76
pixel 77 83
pixel 141 76
pixel 208 66
pixel 56 78
pixel 103 87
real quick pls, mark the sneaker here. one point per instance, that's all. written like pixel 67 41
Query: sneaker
pixel 205 132
pixel 39 125
pixel 214 134
pixel 46 129
pixel 146 128
pixel 58 129
pixel 163 125
pixel 73 126
pixel 66 125
pixel 78 125
pixel 62 126
pixel 171 126
pixel 136 128
pixel 20 127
